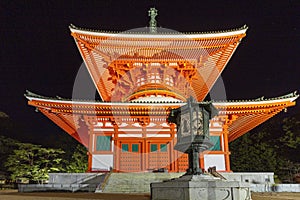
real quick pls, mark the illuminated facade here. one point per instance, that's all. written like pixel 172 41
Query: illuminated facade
pixel 140 77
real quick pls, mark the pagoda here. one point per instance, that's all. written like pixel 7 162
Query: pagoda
pixel 140 77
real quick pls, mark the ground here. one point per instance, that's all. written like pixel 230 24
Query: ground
pixel 14 195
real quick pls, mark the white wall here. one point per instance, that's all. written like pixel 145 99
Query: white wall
pixel 102 162
pixel 211 160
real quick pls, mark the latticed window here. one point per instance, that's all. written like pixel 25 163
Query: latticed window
pixel 135 148
pixel 154 78
pixel 217 144
pixel 140 81
pixel 103 143
pixel 169 81
pixel 153 147
pixel 125 147
pixel 163 148
pixel 158 148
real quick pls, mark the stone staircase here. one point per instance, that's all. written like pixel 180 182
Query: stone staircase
pixel 133 182
pixel 100 182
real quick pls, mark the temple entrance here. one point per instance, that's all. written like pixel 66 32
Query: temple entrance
pixel 159 156
pixel 144 156
pixel 131 157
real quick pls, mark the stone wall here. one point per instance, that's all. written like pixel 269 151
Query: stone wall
pixel 87 182
pixel 275 187
pixel 73 178
pixel 250 177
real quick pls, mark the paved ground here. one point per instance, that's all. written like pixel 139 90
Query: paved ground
pixel 14 195
pixel 276 196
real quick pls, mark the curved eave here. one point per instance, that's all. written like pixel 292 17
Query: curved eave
pixel 254 103
pixel 123 35
pixel 222 106
pixel 89 103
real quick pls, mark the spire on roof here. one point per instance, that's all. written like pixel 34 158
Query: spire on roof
pixel 152 24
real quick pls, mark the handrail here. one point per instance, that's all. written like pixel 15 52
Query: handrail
pixel 85 179
pixel 103 184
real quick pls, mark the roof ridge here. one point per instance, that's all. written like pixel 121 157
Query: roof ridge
pixel 244 27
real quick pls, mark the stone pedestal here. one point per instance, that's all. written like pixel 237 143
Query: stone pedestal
pixel 200 187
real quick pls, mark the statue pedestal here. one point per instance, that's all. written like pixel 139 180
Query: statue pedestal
pixel 196 187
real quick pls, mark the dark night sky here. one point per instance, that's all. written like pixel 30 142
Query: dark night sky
pixel 39 54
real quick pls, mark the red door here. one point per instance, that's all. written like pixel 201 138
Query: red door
pixel 159 156
pixel 130 157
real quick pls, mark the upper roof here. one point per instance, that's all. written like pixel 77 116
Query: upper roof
pixel 117 62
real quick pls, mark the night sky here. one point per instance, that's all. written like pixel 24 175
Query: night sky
pixel 39 54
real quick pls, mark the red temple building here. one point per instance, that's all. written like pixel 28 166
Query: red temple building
pixel 140 77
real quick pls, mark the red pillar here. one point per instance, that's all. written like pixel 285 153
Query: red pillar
pixel 226 148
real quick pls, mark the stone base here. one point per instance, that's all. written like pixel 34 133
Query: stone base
pixel 196 187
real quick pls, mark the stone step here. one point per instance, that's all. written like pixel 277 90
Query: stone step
pixel 134 182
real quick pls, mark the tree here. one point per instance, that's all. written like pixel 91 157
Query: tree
pixel 78 162
pixel 274 146
pixel 34 162
pixel 291 128
pixel 252 153
pixel 7 146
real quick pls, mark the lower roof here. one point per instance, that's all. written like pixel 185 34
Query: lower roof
pixel 239 117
